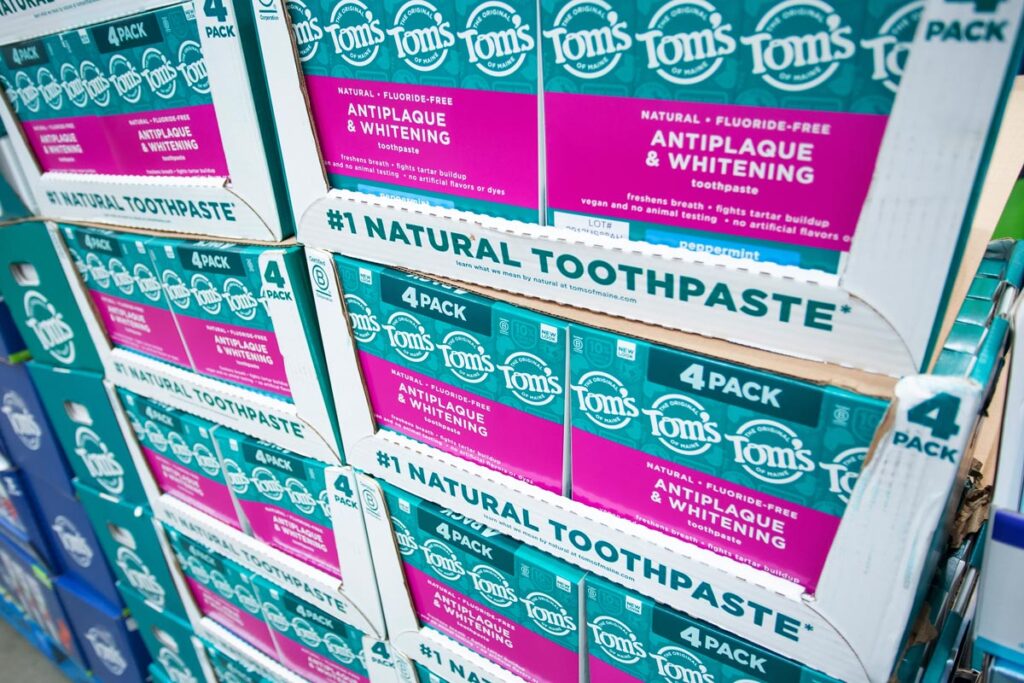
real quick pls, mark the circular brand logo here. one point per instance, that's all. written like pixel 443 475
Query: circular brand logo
pixel 408 337
pixel 206 460
pixel 72 84
pixel 99 462
pixel 74 543
pixel 240 300
pixel 305 29
pixel 355 32
pixel 56 336
pixel 605 400
pixel 891 47
pixel 844 470
pixel 27 91
pixel 300 496
pixel 771 452
pixel 97 270
pixel 466 357
pixel 123 279
pixel 127 81
pixel 247 599
pixel 177 291
pixel 199 571
pixel 23 423
pixel 588 38
pixel 207 295
pixel 267 483
pixel 686 41
pixel 422 35
pixel 676 664
pixel 155 436
pixel 682 425
pixel 338 648
pixel 223 586
pixel 175 667
pixel 493 586
pixel 547 613
pixel 497 39
pixel 799 44
pixel 530 379
pixel 160 75
pixel 617 640
pixel 147 282
pixel 406 543
pixel 105 648
pixel 192 66
pixel 236 477
pixel 12 94
pixel 50 88
pixel 179 447
pixel 97 87
pixel 442 560
pixel 306 633
pixel 362 319
pixel 140 578
pixel 324 501
pixel 275 617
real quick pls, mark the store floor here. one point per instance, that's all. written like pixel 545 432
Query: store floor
pixel 22 663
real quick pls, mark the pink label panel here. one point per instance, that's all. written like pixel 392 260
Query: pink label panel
pixel 301 538
pixel 488 633
pixel 798 177
pixel 413 404
pixel 469 143
pixel 183 141
pixel 238 621
pixel 312 665
pixel 237 354
pixel 146 329
pixel 203 493
pixel 602 672
pixel 772 534
pixel 72 144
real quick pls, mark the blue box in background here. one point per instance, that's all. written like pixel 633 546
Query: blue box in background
pixel 25 430
pixel 74 544
pixel 19 519
pixel 110 640
pixel 31 588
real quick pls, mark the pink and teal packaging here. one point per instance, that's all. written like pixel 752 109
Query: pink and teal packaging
pixel 502 599
pixel 74 543
pixel 215 290
pixel 109 640
pixel 125 97
pixel 223 591
pixel 753 465
pixel 181 455
pixel 129 539
pixel 311 642
pixel 167 639
pixel 231 670
pixel 27 435
pixel 748 129
pixel 86 425
pixel 283 497
pixel 118 273
pixel 35 287
pixel 474 377
pixel 631 638
pixel 432 102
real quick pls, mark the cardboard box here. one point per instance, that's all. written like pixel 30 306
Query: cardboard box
pixel 26 432
pixel 20 520
pixel 137 551
pixel 169 641
pixel 109 639
pixel 181 454
pixel 469 375
pixel 177 87
pixel 81 406
pixel 12 346
pixel 880 308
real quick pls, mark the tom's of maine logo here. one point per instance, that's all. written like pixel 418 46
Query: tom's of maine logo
pixel 56 336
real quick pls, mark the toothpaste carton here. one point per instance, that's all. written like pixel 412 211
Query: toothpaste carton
pixel 474 377
pixel 223 591
pixel 216 290
pixel 503 599
pixel 743 129
pixel 27 435
pixel 134 548
pixel 57 92
pixel 632 638
pixel 74 543
pixel 118 273
pixel 755 466
pixel 109 640
pixel 283 497
pixel 311 642
pixel 161 115
pixel 36 288
pixel 434 102
pixel 167 639
pixel 227 669
pixel 181 454
pixel 86 425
